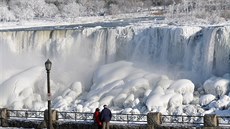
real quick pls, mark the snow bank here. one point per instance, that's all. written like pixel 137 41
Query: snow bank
pixel 21 90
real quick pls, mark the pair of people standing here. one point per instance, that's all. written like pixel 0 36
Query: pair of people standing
pixel 103 118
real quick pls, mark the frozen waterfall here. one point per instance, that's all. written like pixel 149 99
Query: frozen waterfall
pixel 97 65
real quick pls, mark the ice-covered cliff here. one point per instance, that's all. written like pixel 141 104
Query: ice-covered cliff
pixel 130 68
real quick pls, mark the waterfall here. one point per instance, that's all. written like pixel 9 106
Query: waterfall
pixel 195 53
pixel 203 50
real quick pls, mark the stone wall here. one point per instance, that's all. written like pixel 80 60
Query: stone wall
pixel 70 125
pixel 79 125
pixel 37 124
pixel 89 125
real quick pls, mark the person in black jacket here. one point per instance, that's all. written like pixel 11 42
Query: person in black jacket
pixel 106 116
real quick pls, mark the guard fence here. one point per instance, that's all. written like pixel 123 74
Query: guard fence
pixel 77 116
pixel 164 120
pixel 182 120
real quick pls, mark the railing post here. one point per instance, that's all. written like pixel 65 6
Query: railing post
pixel 154 120
pixel 65 115
pixel 4 116
pixel 26 114
pixel 75 116
pixel 182 119
pixel 210 120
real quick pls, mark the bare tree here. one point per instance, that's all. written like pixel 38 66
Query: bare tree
pixel 28 9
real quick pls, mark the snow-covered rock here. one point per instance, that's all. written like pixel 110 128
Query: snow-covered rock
pixel 206 99
pixel 216 86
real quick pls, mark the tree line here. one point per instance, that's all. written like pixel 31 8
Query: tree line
pixel 14 10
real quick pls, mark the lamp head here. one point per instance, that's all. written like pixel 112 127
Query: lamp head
pixel 48 65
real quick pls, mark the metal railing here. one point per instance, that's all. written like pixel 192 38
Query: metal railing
pixel 224 120
pixel 130 118
pixel 182 120
pixel 171 120
pixel 75 116
pixel 27 114
pixel 79 116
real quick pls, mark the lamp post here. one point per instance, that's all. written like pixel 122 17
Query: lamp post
pixel 48 65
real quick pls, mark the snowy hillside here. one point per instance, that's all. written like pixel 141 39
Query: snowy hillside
pixel 178 11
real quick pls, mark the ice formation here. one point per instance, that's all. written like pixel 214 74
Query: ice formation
pixel 133 69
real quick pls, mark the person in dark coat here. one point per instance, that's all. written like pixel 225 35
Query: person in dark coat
pixel 106 116
pixel 96 117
